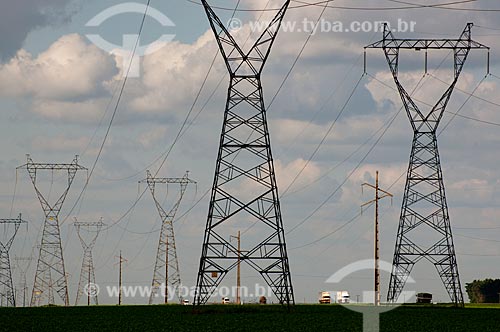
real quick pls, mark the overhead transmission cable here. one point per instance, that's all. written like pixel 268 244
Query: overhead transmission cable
pixel 304 4
pixel 115 110
pixel 397 180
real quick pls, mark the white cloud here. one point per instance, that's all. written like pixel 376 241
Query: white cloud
pixel 59 143
pixel 150 137
pixel 69 68
pixel 87 111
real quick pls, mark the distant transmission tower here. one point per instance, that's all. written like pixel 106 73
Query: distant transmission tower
pixel 424 201
pixel 87 273
pixel 7 293
pixel 23 264
pixel 50 273
pixel 244 188
pixel 166 270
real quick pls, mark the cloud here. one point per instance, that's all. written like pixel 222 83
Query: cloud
pixel 18 18
pixel 88 111
pixel 68 69
pixel 150 137
pixel 59 143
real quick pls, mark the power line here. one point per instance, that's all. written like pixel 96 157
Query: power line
pixel 366 155
pixel 330 233
pixel 182 131
pixel 477 238
pixel 467 93
pixel 115 110
pixel 310 215
pixel 304 4
pixel 315 151
pixel 179 134
pixel 449 112
pixel 478 228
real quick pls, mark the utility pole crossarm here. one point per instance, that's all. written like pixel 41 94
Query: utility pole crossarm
pixel 154 180
pixel 428 44
pixel 52 166
pixel 463 42
pixel 18 220
pixel 88 224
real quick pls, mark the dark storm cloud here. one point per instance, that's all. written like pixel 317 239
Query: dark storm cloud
pixel 18 18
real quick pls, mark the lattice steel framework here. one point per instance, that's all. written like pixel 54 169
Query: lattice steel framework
pixel 23 264
pixel 166 273
pixel 87 272
pixel 244 186
pixel 424 200
pixel 6 285
pixel 50 274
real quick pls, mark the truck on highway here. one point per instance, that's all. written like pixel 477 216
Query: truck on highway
pixel 343 297
pixel 324 298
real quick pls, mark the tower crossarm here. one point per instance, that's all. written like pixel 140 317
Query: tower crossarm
pixel 52 210
pixel 17 223
pixel 461 48
pixel 94 227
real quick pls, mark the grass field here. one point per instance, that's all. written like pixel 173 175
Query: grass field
pixel 244 318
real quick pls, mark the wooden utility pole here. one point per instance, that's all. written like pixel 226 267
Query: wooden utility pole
pixel 88 292
pixel 120 278
pixel 376 242
pixel 238 273
pixel 166 272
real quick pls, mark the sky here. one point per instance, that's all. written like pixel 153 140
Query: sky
pixel 58 91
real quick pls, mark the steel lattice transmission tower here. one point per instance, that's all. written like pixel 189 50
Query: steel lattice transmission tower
pixel 166 272
pixel 6 285
pixel 50 274
pixel 424 201
pixel 23 264
pixel 244 187
pixel 87 273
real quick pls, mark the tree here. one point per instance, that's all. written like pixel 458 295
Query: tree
pixel 483 291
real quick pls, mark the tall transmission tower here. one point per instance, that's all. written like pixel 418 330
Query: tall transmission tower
pixel 166 273
pixel 23 264
pixel 87 273
pixel 7 293
pixel 424 200
pixel 244 188
pixel 50 274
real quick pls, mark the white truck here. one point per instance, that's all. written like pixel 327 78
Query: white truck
pixel 343 297
pixel 324 298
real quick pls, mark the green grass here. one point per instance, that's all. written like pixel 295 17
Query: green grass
pixel 244 318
